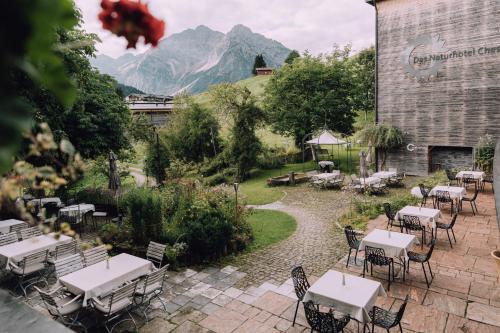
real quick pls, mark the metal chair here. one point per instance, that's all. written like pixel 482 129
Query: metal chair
pixel 34 266
pixel 9 238
pixel 376 256
pixel 63 251
pixel 386 319
pixel 301 285
pixel 69 264
pixel 149 288
pixel 472 201
pixel 412 223
pixel 17 228
pixel 422 258
pixel 51 211
pixel 443 197
pixel 379 188
pixel 391 216
pixel 487 179
pixel 73 220
pixel 448 227
pixel 353 242
pixel 155 253
pixel 452 176
pixel 62 307
pixel 468 179
pixel 425 195
pixel 95 255
pixel 117 304
pixel 324 322
pixel 28 233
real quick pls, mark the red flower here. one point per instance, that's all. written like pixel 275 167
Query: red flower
pixel 131 19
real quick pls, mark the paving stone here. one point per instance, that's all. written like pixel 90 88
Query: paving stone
pixel 268 286
pixel 200 276
pixel 229 269
pixel 297 329
pixel 192 305
pixel 246 298
pixel 421 318
pixel 237 306
pixel 181 300
pixel 189 272
pixel 223 321
pixel 171 307
pixel 199 288
pixel 188 313
pixel 446 303
pixel 252 312
pixel 272 321
pixel 190 327
pixel 484 313
pixel 252 326
pixel 201 300
pixel 222 299
pixel 283 325
pixel 210 270
pixel 209 308
pixel 263 316
pixel 211 293
pixel 233 292
pixel 158 325
pixel 255 291
pixel 457 324
pixel 274 303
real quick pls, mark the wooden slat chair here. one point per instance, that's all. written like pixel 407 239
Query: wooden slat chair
pixel 17 229
pixel 155 253
pixel 149 288
pixel 30 270
pixel 62 307
pixel 63 251
pixel 95 255
pixel 67 265
pixel 28 233
pixel 116 305
pixel 9 238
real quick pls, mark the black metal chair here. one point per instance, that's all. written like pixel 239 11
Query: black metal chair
pixel 448 227
pixel 353 242
pixel 376 256
pixel 472 201
pixel 423 258
pixel 386 319
pixel 468 179
pixel 443 198
pixel 425 195
pixel 487 179
pixel 324 322
pixel 412 223
pixel 391 216
pixel 301 285
pixel 452 176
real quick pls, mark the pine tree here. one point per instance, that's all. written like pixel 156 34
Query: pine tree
pixel 258 63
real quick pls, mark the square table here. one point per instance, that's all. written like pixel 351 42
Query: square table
pixel 356 298
pixel 456 192
pixel 429 216
pixel 395 244
pixel 98 280
pixel 6 224
pixel 17 251
pixel 369 180
pixel 478 175
pixel 43 201
pixel 77 210
pixel 384 174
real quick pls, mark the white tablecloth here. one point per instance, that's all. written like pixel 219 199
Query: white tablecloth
pixel 36 202
pixel 427 216
pixel 327 175
pixel 355 298
pixel 395 244
pixel 456 192
pixel 369 180
pixel 415 191
pixel 16 251
pixel 6 224
pixel 97 280
pixel 325 163
pixel 475 174
pixel 77 210
pixel 384 174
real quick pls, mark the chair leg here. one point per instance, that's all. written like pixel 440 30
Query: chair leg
pixel 389 285
pixel 364 267
pixel 295 315
pixel 348 258
pixel 356 258
pixel 425 275
pixel 400 327
pixel 449 239
pixel 453 233
pixel 430 270
pixel 371 269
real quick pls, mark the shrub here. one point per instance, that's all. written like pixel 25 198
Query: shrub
pixel 143 207
pixel 437 178
pixel 119 238
pixel 269 159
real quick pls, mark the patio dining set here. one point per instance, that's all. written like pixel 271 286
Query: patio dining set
pixel 87 282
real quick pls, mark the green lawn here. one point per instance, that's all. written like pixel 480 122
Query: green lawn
pixel 269 227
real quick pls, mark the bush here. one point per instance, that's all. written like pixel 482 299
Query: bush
pixel 143 207
pixel 437 178
pixel 119 238
pixel 269 159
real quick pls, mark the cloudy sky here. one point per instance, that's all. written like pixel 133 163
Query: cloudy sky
pixel 313 25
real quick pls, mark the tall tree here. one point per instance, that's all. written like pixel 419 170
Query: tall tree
pixel 363 74
pixel 258 63
pixel 314 92
pixel 291 56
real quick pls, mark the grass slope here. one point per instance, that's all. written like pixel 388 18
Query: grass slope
pixel 270 227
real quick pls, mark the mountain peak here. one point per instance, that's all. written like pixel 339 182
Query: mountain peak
pixel 202 27
pixel 240 29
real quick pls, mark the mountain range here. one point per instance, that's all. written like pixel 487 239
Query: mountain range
pixel 193 59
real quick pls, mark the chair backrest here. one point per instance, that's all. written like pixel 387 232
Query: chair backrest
pixel 51 209
pixel 66 249
pixel 412 222
pixel 121 293
pixel 155 253
pixel 476 192
pixel 352 240
pixel 17 228
pixel 95 255
pixel 450 174
pixel 30 232
pixel 320 321
pixel 300 282
pixel 401 310
pixel 49 299
pixel 156 276
pixel 39 257
pixel 68 264
pixel 9 238
pixel 69 218
pixel 388 211
pixel 423 190
pixel 431 249
pixel 375 255
pixel 443 196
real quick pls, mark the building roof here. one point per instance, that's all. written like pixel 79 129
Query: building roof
pixel 264 69
pixel 326 138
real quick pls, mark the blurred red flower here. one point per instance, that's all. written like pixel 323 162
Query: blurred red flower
pixel 131 19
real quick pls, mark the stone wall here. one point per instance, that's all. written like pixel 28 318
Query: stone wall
pixel 451 157
pixel 460 102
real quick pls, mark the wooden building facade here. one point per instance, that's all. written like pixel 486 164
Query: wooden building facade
pixel 438 78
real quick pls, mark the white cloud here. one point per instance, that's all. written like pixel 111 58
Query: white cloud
pixel 314 25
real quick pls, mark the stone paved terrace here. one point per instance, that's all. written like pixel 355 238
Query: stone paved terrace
pixel 464 296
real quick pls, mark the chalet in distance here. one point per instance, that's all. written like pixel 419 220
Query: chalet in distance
pixel 155 107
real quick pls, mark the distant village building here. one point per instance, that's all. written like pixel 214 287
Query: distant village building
pixel 264 71
pixel 156 108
